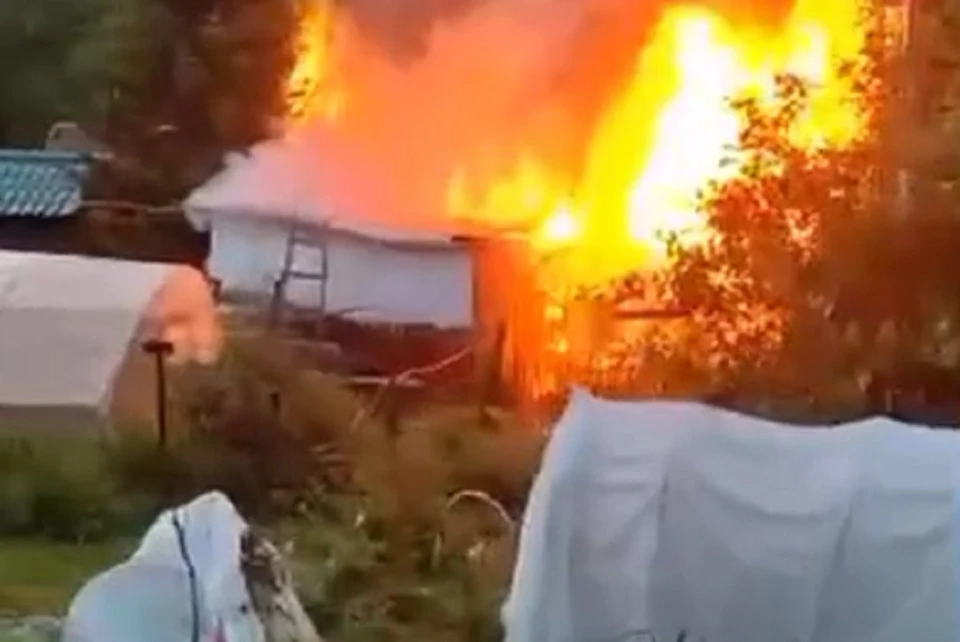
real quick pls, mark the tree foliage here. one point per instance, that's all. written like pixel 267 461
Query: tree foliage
pixel 169 84
pixel 59 60
pixel 816 281
pixel 215 83
pixel 785 241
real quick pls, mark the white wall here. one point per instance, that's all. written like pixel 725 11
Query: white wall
pixel 374 282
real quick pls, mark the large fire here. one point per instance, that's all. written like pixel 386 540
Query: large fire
pixel 313 88
pixel 672 130
pixel 669 132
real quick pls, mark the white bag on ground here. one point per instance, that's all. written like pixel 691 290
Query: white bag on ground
pixel 148 598
pixel 663 518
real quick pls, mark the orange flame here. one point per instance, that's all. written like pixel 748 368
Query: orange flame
pixel 670 132
pixel 667 135
pixel 313 89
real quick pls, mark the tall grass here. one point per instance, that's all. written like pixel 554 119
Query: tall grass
pixel 62 490
pixel 381 553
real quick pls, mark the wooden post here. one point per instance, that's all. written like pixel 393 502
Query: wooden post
pixel 391 410
pixel 915 82
pixel 276 403
pixel 490 373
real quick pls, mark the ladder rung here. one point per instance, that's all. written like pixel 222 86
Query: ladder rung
pixel 305 238
pixel 296 274
pixel 305 241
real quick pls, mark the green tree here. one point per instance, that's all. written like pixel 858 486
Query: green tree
pixel 816 281
pixel 169 84
pixel 215 82
pixel 60 60
pixel 792 235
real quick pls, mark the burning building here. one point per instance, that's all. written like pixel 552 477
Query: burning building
pixel 283 241
pixel 588 129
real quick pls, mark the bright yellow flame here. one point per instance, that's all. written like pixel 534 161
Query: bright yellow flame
pixel 312 90
pixel 532 192
pixel 561 228
pixel 668 134
pixel 672 131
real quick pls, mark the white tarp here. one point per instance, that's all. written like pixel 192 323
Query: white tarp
pixel 150 597
pixel 653 519
pixel 265 184
pixel 67 323
pixel 366 280
pixel 383 263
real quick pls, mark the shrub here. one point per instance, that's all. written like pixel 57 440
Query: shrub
pixel 358 585
pixel 242 451
pixel 495 455
pixel 380 554
pixel 370 567
pixel 284 441
pixel 230 432
pixel 63 491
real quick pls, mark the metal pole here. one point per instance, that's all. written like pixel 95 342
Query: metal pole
pixel 160 350
pixel 161 401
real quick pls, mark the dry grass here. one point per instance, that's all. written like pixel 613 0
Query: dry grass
pixel 41 577
pixel 380 551
pixel 380 554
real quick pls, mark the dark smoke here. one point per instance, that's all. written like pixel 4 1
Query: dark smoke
pixel 401 28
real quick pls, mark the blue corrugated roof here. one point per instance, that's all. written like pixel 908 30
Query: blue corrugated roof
pixel 41 183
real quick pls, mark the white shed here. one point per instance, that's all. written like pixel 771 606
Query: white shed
pixel 70 334
pixel 378 269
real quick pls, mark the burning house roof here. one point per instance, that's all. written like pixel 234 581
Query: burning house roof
pixel 274 181
pixel 604 154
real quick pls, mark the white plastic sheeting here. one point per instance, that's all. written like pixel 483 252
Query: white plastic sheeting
pixel 284 179
pixel 367 280
pixel 67 323
pixel 148 598
pixel 384 263
pixel 653 519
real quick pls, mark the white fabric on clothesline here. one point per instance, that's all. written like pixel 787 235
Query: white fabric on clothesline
pixel 667 517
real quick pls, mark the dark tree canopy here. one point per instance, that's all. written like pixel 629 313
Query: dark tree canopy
pixel 818 292
pixel 169 84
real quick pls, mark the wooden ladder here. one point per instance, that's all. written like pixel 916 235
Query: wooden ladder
pixel 306 236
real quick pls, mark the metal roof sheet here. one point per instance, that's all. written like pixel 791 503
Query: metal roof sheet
pixel 41 183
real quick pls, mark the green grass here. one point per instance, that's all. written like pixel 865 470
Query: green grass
pixel 41 577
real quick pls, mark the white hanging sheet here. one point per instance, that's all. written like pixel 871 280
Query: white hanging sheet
pixel 653 519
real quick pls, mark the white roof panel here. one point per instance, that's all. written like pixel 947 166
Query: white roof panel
pixel 272 181
pixel 66 323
